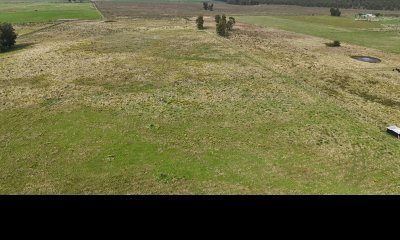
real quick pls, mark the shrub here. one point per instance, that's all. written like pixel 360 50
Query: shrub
pixel 335 43
pixel 335 12
pixel 217 18
pixel 205 5
pixel 7 36
pixel 223 18
pixel 230 23
pixel 210 6
pixel 200 22
pixel 221 27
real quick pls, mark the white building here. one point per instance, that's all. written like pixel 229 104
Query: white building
pixel 366 17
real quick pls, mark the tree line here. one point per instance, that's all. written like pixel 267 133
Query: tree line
pixel 357 4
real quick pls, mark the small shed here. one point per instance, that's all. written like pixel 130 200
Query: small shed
pixel 394 130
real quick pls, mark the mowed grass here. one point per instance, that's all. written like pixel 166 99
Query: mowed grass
pixel 33 12
pixel 383 35
pixel 157 107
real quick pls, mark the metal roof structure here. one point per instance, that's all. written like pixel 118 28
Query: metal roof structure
pixel 394 130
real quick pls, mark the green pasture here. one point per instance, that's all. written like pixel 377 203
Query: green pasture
pixel 46 12
pixel 383 35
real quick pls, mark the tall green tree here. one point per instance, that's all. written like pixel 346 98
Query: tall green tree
pixel 200 22
pixel 230 23
pixel 221 27
pixel 7 36
pixel 217 18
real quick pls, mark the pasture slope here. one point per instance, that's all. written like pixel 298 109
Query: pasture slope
pixel 154 106
pixel 188 8
pixel 383 35
pixel 45 11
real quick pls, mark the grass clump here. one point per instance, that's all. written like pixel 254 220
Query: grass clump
pixel 335 43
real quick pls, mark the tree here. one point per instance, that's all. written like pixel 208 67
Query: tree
pixel 200 22
pixel 205 5
pixel 335 12
pixel 223 18
pixel 230 23
pixel 217 18
pixel 7 36
pixel 221 27
pixel 208 6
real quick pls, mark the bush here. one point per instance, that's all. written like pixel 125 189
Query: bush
pixel 230 23
pixel 205 5
pixel 208 6
pixel 7 36
pixel 224 26
pixel 217 18
pixel 335 12
pixel 200 22
pixel 335 43
pixel 221 27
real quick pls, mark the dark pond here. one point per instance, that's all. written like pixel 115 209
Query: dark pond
pixel 367 59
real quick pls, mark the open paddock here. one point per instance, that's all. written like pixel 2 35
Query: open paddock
pixel 115 9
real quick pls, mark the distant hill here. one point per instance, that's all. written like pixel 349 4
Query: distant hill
pixel 360 4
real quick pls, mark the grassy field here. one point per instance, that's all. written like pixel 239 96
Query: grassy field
pixel 35 1
pixel 151 106
pixel 383 35
pixel 32 12
pixel 115 9
pixel 154 1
